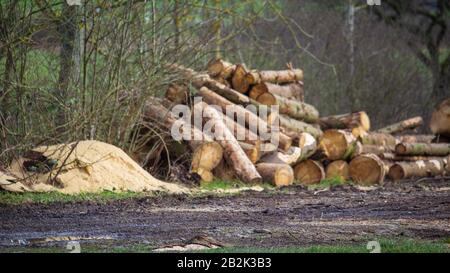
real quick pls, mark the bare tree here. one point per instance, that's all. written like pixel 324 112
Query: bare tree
pixel 427 24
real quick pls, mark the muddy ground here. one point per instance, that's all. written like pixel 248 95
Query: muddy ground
pixel 293 216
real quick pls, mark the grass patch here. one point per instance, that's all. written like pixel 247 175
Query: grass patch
pixel 14 198
pixel 387 246
pixel 329 183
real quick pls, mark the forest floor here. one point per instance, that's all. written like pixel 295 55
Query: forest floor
pixel 290 217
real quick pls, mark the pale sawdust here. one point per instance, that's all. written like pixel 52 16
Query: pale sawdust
pixel 85 166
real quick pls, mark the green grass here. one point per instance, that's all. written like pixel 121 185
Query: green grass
pixel 227 185
pixel 387 246
pixel 329 183
pixel 49 197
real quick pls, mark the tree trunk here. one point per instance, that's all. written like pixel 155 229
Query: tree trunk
pixel 378 139
pixel 338 144
pixel 221 68
pixel 401 126
pixel 207 154
pixel 290 157
pixel 394 157
pixel 309 172
pixel 373 149
pixel 416 138
pixel 67 30
pixel 277 174
pixel 440 119
pixel 367 170
pixel 338 169
pixel 234 154
pixel 346 121
pixel 266 99
pixel 254 123
pixel 293 91
pixel 253 152
pixel 294 125
pixel 277 77
pixel 239 81
pixel 205 158
pixel 422 168
pixel 297 110
pixel 422 149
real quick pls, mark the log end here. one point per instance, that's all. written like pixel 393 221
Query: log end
pixel 309 172
pixel 338 169
pixel 396 172
pixel 367 170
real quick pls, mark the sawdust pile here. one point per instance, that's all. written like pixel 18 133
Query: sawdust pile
pixel 85 166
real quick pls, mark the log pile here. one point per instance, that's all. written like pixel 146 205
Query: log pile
pixel 308 148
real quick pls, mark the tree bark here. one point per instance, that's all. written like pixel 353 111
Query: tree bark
pixel 294 125
pixel 309 172
pixel 277 77
pixel 421 168
pixel 253 152
pixel 367 170
pixel 297 110
pixel 293 91
pixel 378 139
pixel 401 126
pixel 212 98
pixel 423 149
pixel 373 149
pixel 67 30
pixel 416 138
pixel 234 154
pixel 346 121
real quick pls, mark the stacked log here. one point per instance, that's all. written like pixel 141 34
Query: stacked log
pixel 309 148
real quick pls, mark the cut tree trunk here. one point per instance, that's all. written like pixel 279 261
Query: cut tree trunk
pixel 346 121
pixel 421 168
pixel 240 132
pixel 337 144
pixel 309 172
pixel 221 68
pixel 422 149
pixel 277 174
pixel 253 152
pixel 394 157
pixel 440 119
pixel 338 169
pixel 290 157
pixel 367 170
pixel 267 99
pixel 401 126
pixel 416 138
pixel 293 91
pixel 294 125
pixel 177 93
pixel 297 110
pixel 222 81
pixel 378 139
pixel 205 158
pixel 234 154
pixel 254 123
pixel 207 154
pixel 373 149
pixel 278 76
pixel 239 81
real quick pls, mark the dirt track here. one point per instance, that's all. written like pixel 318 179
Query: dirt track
pixel 294 216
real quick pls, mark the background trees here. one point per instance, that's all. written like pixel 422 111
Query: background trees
pixel 75 72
